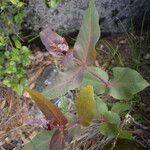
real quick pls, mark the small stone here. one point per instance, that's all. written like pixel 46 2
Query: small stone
pixel 122 42
pixel 147 56
pixel 47 82
pixel 101 46
pixel 1 143
pixel 47 77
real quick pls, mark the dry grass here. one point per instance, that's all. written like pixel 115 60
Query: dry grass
pixel 13 115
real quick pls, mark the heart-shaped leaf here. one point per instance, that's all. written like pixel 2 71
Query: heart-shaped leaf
pixel 126 82
pixel 89 79
pixel 88 36
pixel 86 105
pixel 119 107
pixel 64 82
pixel 112 117
pixel 111 130
pixel 40 141
pixel 48 108
pixel 101 107
pixel 124 134
pixel 108 129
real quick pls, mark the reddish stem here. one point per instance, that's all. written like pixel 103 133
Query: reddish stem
pixel 71 124
pixel 107 83
pixel 85 67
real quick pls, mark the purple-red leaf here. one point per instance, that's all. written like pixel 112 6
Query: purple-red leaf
pixel 57 46
pixel 88 36
pixel 57 141
pixel 54 43
pixel 48 109
pixel 64 82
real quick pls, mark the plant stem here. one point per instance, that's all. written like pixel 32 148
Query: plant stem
pixel 35 37
pixel 107 83
pixel 85 67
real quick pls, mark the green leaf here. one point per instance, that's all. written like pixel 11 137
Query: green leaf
pixel 111 130
pixel 89 34
pixel 2 58
pixel 89 79
pixel 101 107
pixel 20 4
pixel 108 129
pixel 64 82
pixel 85 105
pixel 126 82
pixel 119 107
pixel 25 50
pixel 125 135
pixel 19 18
pixel 14 2
pixel 63 104
pixel 18 44
pixel 39 142
pixel 7 54
pixel 19 89
pixel 54 3
pixel 7 83
pixel 112 118
pixel 24 82
pixel 11 68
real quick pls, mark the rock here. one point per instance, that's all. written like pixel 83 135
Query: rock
pixel 67 17
pixel 48 76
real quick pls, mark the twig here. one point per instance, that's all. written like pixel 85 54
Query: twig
pixel 139 125
pixel 121 127
pixel 12 130
pixel 17 113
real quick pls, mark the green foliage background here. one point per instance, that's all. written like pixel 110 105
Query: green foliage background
pixel 14 57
